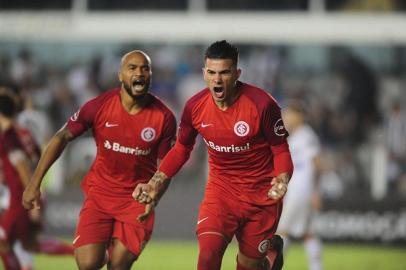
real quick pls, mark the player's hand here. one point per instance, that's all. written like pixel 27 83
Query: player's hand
pixel 148 210
pixel 279 186
pixel 144 193
pixel 153 190
pixel 31 198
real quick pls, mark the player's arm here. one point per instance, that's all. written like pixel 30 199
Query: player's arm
pixel 274 131
pixel 171 163
pixel 51 153
pixel 316 196
pixel 283 167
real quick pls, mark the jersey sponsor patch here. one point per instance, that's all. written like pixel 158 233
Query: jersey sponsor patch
pixel 264 246
pixel 279 128
pixel 148 134
pixel 227 148
pixel 116 147
pixel 241 128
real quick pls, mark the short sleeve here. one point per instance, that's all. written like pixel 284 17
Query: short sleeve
pixel 83 119
pixel 272 124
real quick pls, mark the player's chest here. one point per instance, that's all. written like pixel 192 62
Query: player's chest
pixel 128 131
pixel 236 127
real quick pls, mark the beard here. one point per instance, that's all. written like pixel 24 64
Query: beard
pixel 128 89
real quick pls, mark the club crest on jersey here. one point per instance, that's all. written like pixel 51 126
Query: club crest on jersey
pixel 241 128
pixel 279 128
pixel 148 134
pixel 264 246
pixel 75 116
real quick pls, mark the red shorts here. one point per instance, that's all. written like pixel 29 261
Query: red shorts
pixel 96 225
pixel 16 224
pixel 252 225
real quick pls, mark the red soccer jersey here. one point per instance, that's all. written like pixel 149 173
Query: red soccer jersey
pixel 128 146
pixel 238 140
pixel 11 148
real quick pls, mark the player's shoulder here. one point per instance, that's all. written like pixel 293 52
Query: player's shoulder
pixel 260 97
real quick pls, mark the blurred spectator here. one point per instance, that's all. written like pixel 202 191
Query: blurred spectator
pixel 395 139
pixel 359 101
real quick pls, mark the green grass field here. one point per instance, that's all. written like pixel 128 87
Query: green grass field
pixel 182 255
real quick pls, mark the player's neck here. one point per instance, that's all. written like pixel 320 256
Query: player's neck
pixel 225 104
pixel 132 105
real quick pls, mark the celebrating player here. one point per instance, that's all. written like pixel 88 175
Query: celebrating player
pixel 132 130
pixel 249 158
pixel 303 197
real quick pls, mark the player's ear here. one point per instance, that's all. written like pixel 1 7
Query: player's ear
pixel 204 72
pixel 120 77
pixel 238 73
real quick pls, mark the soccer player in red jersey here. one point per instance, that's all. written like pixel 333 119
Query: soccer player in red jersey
pixel 249 164
pixel 132 129
pixel 18 152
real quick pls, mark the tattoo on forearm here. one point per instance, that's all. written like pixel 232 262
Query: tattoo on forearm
pixel 158 179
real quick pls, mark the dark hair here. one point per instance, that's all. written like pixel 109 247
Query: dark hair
pixel 222 50
pixel 7 105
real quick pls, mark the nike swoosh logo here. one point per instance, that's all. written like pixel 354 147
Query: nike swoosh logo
pixel 203 125
pixel 111 125
pixel 200 221
pixel 76 239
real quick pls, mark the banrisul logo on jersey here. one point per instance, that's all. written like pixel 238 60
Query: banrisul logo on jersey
pixel 227 148
pixel 241 128
pixel 116 147
pixel 148 134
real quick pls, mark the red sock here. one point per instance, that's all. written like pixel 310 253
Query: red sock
pixel 55 247
pixel 10 261
pixel 211 251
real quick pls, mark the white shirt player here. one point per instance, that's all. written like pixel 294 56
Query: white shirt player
pixel 304 147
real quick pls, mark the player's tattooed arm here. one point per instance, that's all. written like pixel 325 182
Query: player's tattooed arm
pixel 153 190
pixel 150 193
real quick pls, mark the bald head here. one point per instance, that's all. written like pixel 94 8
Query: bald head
pixel 129 55
pixel 135 74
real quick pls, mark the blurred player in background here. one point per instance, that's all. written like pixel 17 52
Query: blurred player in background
pixel 132 130
pixel 303 197
pixel 249 159
pixel 19 153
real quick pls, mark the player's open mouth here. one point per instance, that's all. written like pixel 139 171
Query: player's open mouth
pixel 218 91
pixel 138 84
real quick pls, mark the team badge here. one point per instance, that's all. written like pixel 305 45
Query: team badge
pixel 279 128
pixel 264 246
pixel 241 128
pixel 148 134
pixel 75 116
